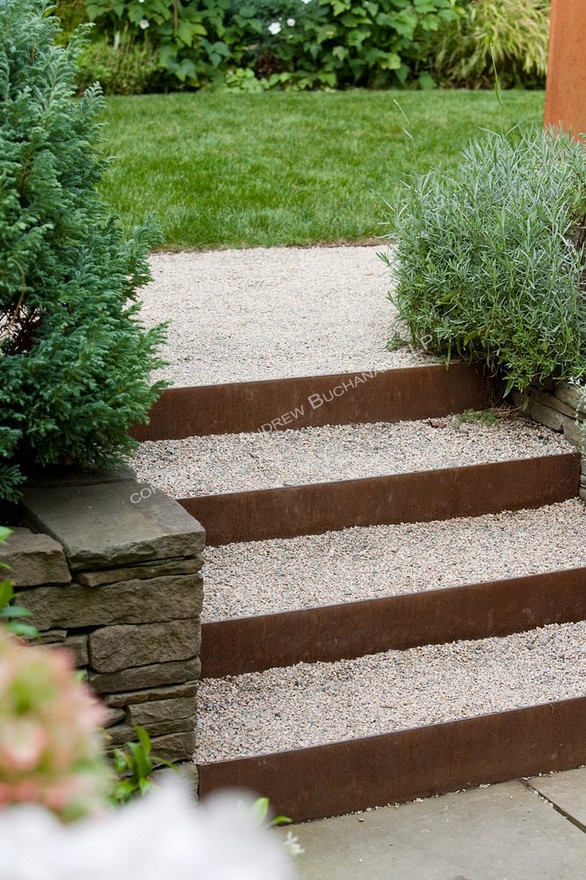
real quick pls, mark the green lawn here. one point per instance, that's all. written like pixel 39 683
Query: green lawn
pixel 234 170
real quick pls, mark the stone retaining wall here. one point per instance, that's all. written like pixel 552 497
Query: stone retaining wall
pixel 112 572
pixel 563 408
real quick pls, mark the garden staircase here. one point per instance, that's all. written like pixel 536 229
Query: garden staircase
pixel 337 777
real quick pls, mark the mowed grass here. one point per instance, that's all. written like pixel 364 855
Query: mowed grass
pixel 236 170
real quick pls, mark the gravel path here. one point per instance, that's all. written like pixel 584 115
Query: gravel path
pixel 310 704
pixel 258 314
pixel 236 462
pixel 272 312
pixel 267 577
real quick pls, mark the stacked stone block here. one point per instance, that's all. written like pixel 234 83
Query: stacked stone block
pixel 562 408
pixel 117 581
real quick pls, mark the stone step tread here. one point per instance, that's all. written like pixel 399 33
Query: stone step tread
pixel 289 574
pixel 313 704
pixel 239 462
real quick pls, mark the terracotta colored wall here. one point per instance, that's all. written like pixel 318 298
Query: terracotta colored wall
pixel 565 95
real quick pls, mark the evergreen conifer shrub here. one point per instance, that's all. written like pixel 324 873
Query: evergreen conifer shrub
pixel 75 361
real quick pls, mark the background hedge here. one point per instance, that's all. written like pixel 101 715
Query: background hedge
pixel 254 45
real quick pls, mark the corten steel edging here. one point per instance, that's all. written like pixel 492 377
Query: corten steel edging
pixel 353 629
pixel 342 398
pixel 422 496
pixel 341 777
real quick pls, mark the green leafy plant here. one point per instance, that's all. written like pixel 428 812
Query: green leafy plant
pixel 374 44
pixel 486 417
pixel 12 615
pixel 491 260
pixel 260 811
pixel 396 342
pixel 75 359
pixel 297 44
pixel 122 67
pixel 71 14
pixel 186 36
pixel 134 765
pixel 513 32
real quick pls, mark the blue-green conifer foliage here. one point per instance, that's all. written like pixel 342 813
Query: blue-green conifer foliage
pixel 75 360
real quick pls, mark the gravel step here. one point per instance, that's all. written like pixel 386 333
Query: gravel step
pixel 239 316
pixel 268 313
pixel 312 704
pixel 281 575
pixel 237 462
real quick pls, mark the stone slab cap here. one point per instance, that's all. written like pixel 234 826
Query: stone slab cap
pixel 104 526
pixel 57 475
pixel 33 559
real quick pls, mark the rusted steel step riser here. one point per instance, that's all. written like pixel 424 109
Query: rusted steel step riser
pixel 339 399
pixel 339 778
pixel 353 629
pixel 423 496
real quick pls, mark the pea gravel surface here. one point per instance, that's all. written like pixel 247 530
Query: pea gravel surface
pixel 310 704
pixel 269 577
pixel 269 313
pixel 239 462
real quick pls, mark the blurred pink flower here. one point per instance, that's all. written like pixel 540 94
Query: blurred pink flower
pixel 51 749
pixel 22 742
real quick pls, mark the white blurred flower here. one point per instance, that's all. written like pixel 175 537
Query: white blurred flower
pixel 306 1
pixel 144 23
pixel 291 22
pixel 292 845
pixel 162 835
pixel 275 28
